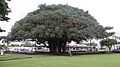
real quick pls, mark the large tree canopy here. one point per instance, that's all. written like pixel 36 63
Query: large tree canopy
pixel 58 24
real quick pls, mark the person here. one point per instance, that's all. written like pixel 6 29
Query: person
pixel 69 52
pixel 1 51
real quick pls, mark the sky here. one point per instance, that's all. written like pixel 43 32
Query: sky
pixel 107 12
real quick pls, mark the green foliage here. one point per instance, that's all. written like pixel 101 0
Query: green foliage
pixel 2 46
pixel 58 24
pixel 91 44
pixel 13 45
pixel 4 10
pixel 3 37
pixel 56 20
pixel 108 42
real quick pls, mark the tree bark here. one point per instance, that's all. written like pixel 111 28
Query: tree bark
pixel 56 46
pixel 64 47
pixel 109 47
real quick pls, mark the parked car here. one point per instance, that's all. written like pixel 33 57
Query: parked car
pixel 116 50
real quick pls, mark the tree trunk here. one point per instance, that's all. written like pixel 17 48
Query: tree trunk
pixel 109 47
pixel 51 48
pixel 64 47
pixel 55 46
pixel 59 48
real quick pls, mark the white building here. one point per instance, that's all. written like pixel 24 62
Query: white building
pixel 73 46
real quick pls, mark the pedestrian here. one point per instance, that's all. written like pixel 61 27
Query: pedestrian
pixel 69 52
pixel 1 51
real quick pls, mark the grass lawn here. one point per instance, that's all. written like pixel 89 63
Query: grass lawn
pixel 103 60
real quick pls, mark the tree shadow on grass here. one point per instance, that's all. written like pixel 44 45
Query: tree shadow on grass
pixel 7 59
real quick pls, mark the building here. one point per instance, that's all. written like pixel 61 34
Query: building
pixel 74 47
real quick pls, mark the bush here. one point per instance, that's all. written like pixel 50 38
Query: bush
pixel 91 52
pixel 13 45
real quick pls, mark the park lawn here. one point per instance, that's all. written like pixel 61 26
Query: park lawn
pixel 101 60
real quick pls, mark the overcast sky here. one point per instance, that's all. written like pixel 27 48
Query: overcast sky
pixel 107 12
